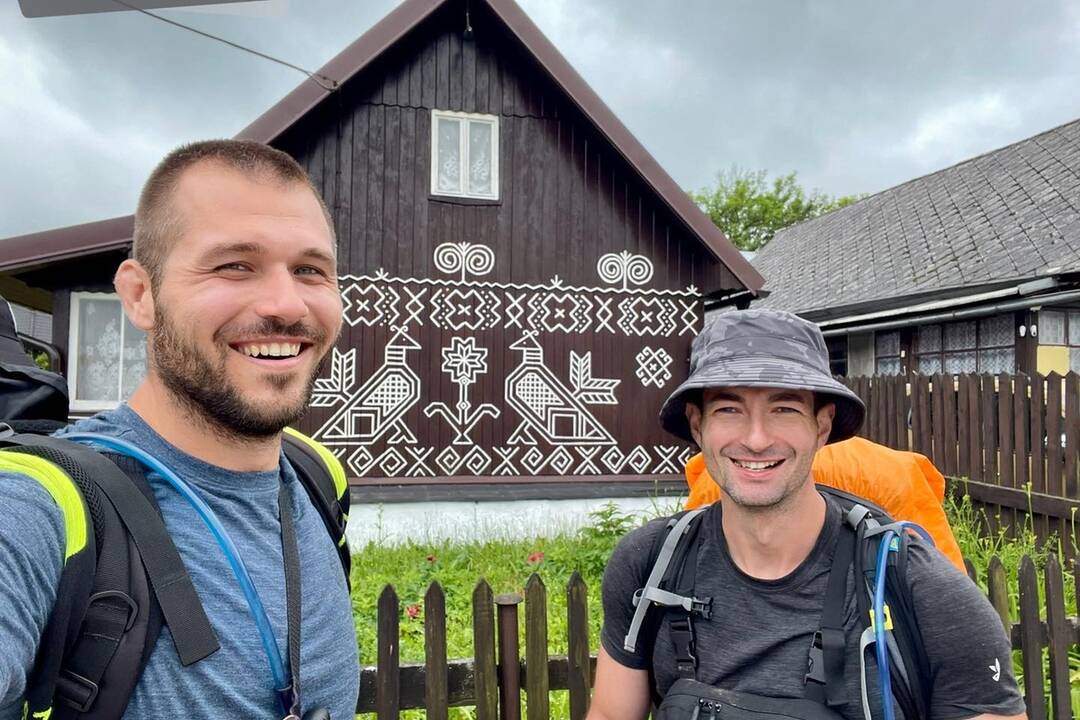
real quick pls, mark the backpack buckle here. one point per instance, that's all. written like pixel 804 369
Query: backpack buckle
pixel 701 607
pixel 75 690
pixel 682 637
pixel 132 607
pixel 815 664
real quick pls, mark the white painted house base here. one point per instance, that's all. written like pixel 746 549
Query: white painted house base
pixel 436 522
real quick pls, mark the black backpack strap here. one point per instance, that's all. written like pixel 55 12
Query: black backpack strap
pixel 909 666
pixel 825 669
pixel 76 579
pixel 139 579
pixel 668 595
pixel 323 478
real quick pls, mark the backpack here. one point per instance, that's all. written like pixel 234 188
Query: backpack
pixel 123 577
pixel 668 596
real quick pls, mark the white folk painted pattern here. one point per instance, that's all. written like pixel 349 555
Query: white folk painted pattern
pixel 548 409
pixel 466 302
pixel 463 361
pixel 653 366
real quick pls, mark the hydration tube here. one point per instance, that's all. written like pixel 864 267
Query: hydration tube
pixel 880 648
pixel 282 684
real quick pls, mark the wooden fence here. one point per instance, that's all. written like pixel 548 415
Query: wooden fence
pixel 492 681
pixel 1015 439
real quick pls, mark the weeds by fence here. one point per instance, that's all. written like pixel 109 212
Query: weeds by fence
pixel 493 679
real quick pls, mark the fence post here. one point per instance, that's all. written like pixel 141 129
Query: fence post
pixel 536 649
pixel 949 419
pixel 486 681
pixel 436 689
pixel 579 678
pixel 1038 413
pixel 1021 411
pixel 1072 434
pixel 509 657
pixel 388 681
pixel 1030 640
pixel 997 583
pixel 1058 634
pixel 988 434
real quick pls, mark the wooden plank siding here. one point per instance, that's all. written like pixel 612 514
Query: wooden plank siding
pixel 566 199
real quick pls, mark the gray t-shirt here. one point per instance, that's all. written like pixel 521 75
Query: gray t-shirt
pixel 760 633
pixel 234 682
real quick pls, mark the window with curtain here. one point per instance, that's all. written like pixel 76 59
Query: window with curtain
pixel 106 353
pixel 986 345
pixel 464 155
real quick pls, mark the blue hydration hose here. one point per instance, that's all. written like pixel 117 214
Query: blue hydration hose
pixel 880 648
pixel 889 542
pixel 282 683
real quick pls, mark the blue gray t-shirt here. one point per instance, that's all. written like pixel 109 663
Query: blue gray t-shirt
pixel 234 682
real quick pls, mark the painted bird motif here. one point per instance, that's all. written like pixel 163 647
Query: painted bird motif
pixel 548 408
pixel 379 405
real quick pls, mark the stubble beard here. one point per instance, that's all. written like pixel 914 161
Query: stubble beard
pixel 200 384
pixel 774 503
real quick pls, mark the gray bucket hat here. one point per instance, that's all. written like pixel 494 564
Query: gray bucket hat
pixel 762 348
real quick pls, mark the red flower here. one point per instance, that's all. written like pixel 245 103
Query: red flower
pixel 535 557
pixel 431 558
pixel 413 611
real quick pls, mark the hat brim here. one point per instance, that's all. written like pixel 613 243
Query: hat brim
pixel 770 372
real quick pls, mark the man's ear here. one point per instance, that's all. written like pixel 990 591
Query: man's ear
pixel 132 284
pixel 693 418
pixel 825 415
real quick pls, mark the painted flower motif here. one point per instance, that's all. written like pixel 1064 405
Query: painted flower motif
pixel 536 557
pixel 413 611
pixel 463 361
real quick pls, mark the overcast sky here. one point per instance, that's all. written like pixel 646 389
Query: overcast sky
pixel 855 96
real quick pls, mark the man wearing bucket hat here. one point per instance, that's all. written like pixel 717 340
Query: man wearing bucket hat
pixel 760 402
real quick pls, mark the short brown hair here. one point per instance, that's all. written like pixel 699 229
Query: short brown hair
pixel 157 225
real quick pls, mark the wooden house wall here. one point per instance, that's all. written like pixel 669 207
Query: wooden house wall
pixel 566 199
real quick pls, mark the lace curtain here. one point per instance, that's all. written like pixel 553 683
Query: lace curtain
pixel 111 352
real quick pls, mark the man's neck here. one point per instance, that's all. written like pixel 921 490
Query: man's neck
pixel 197 435
pixel 770 543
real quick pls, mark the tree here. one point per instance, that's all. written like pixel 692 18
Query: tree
pixel 750 208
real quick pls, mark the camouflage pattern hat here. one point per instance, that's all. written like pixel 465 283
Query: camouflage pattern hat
pixel 762 348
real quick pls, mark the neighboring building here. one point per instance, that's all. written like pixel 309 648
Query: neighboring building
pixel 521 278
pixel 974 268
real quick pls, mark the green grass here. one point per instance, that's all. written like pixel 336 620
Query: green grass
pixel 507 565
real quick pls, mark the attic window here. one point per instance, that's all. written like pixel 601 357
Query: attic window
pixel 464 155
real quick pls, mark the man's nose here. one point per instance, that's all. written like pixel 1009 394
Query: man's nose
pixel 758 436
pixel 280 297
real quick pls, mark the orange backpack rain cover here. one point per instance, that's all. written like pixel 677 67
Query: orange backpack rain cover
pixel 905 484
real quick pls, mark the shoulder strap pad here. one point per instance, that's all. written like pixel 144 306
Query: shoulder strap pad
pixel 323 477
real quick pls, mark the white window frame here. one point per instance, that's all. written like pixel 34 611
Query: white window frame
pixel 73 351
pixel 463 140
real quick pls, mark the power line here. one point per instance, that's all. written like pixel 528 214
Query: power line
pixel 326 83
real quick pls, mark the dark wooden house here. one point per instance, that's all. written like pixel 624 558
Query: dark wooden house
pixel 521 279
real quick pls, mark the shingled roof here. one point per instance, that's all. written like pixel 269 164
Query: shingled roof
pixel 1011 214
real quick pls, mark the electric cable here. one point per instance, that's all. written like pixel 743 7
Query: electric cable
pixel 326 83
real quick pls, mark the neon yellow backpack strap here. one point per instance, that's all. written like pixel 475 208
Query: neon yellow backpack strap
pixel 337 472
pixel 61 488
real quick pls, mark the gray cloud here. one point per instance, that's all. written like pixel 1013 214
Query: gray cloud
pixel 855 96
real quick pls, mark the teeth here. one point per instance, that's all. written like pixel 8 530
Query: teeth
pixel 271 350
pixel 751 465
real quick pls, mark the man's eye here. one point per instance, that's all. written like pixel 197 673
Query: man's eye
pixel 233 266
pixel 309 270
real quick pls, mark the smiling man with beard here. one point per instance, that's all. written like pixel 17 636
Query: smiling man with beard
pixel 760 402
pixel 233 278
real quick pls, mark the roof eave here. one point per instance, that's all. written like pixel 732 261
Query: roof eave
pixel 25 252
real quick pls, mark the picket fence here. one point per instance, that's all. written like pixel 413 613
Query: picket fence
pixel 497 679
